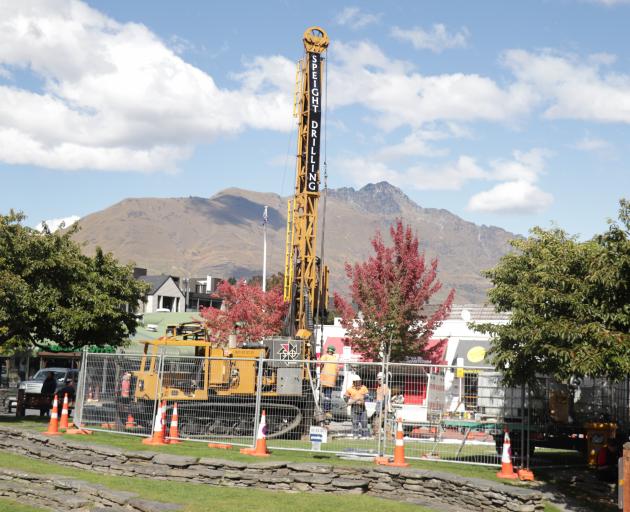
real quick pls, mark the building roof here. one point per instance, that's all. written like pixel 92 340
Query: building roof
pixel 156 282
pixel 159 321
pixel 478 313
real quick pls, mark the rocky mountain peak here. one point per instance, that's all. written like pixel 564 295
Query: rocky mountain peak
pixel 380 197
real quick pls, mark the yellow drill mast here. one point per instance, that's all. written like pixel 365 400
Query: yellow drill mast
pixel 305 284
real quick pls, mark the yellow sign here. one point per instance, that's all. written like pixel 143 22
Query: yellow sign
pixel 476 354
pixel 459 373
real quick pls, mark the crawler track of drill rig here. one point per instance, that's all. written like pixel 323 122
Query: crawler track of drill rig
pixel 229 418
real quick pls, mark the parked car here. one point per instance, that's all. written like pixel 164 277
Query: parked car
pixel 30 391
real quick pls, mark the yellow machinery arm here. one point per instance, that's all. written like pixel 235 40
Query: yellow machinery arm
pixel 304 283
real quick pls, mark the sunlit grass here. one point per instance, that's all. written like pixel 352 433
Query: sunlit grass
pixel 200 498
pixel 7 505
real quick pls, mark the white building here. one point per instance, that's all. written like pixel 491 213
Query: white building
pixel 454 343
pixel 164 295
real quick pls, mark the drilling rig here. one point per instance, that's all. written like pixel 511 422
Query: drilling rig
pixel 215 391
pixel 305 276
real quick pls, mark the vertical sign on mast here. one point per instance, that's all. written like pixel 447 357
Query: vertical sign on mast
pixel 315 121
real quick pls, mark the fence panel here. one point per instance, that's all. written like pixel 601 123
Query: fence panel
pixel 349 419
pixel 449 414
pixel 216 397
pixel 107 394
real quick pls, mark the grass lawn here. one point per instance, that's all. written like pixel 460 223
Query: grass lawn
pixel 200 498
pixel 13 506
pixel 199 449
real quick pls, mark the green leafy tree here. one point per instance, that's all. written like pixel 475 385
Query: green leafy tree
pixel 570 305
pixel 51 293
pixel 391 290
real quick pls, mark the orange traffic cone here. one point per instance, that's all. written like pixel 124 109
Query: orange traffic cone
pixel 63 424
pixel 507 470
pixel 53 426
pixel 261 440
pixel 158 428
pixel 131 422
pixel 399 450
pixel 173 433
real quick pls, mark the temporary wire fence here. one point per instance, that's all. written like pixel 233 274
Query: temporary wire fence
pixel 352 409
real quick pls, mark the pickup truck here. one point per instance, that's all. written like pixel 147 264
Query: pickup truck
pixel 30 391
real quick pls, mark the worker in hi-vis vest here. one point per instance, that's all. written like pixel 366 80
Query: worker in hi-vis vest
pixel 328 377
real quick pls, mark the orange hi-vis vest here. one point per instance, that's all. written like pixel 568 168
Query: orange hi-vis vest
pixel 330 369
pixel 357 393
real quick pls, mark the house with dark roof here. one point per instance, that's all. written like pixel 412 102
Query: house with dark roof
pixel 201 293
pixel 164 294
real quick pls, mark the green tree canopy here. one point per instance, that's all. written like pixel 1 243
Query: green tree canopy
pixel 570 305
pixel 51 292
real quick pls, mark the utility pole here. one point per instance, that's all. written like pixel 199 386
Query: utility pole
pixel 264 276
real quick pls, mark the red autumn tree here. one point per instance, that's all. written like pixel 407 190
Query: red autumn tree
pixel 247 311
pixel 391 290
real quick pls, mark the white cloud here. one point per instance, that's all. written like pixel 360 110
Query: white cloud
pixel 451 176
pixel 524 166
pixel 417 143
pixel 592 144
pixel 610 2
pixel 354 18
pixel 518 192
pixel 360 73
pixel 55 224
pixel 114 96
pixel 574 88
pixel 436 40
pixel 515 192
pixel 511 197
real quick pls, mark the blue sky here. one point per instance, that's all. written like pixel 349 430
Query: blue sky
pixel 511 114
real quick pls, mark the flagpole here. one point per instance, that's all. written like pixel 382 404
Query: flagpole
pixel 264 276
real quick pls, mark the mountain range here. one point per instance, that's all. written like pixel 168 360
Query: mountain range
pixel 222 235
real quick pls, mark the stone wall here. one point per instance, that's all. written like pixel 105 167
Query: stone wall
pixel 412 485
pixel 69 494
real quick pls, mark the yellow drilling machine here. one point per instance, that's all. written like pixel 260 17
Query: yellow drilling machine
pixel 216 391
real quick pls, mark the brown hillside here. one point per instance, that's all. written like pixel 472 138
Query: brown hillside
pixel 222 235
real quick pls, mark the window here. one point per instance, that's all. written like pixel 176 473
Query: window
pixel 471 380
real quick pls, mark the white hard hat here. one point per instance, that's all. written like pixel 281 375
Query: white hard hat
pixel 355 378
pixel 379 375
